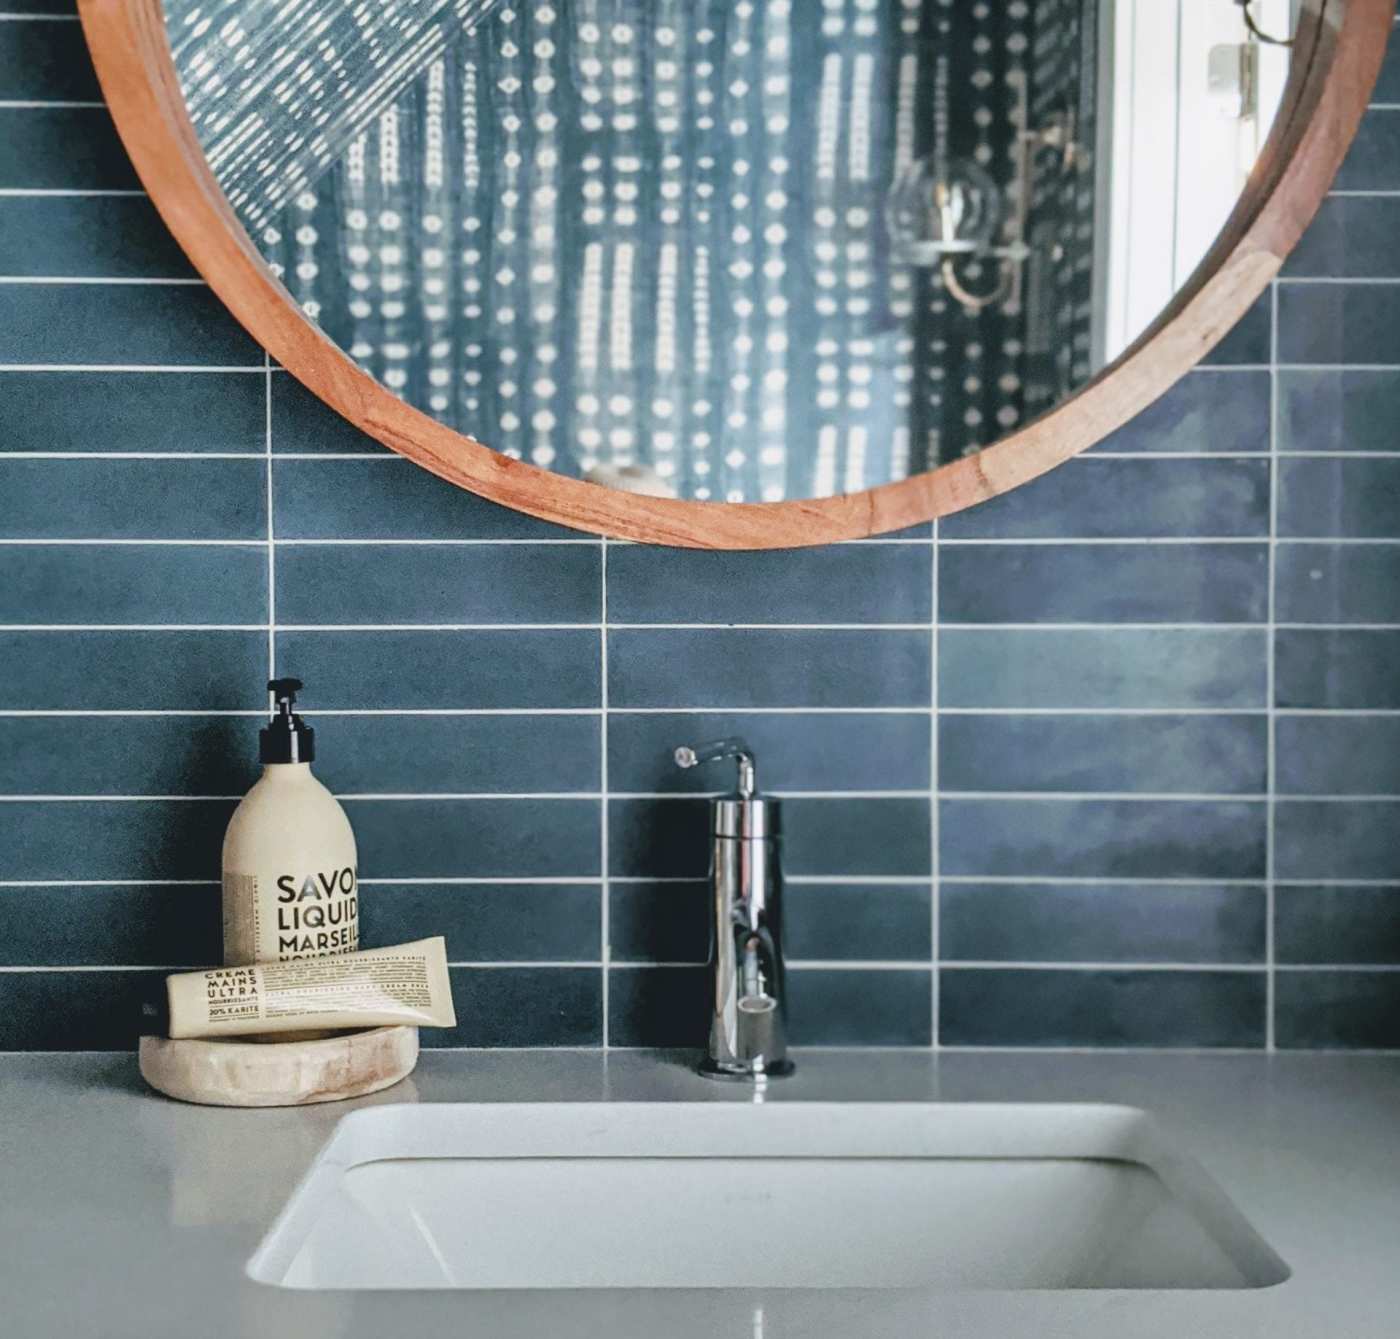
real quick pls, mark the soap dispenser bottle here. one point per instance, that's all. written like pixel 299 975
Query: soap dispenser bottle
pixel 290 885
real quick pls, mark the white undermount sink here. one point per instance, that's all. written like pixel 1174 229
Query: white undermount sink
pixel 775 1196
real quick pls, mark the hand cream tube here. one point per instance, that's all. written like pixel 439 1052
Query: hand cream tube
pixel 406 983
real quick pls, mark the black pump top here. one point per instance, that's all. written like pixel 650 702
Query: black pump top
pixel 286 738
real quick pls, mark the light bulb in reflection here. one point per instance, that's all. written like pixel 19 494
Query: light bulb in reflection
pixel 931 214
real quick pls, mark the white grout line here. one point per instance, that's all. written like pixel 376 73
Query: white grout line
pixel 89 280
pixel 690 797
pixel 48 104
pixel 604 854
pixel 935 861
pixel 243 368
pixel 65 192
pixel 1271 756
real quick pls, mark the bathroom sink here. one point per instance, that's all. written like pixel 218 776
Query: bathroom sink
pixel 774 1196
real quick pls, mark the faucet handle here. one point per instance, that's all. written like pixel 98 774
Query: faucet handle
pixel 732 747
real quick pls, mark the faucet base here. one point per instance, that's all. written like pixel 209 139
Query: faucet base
pixel 738 1071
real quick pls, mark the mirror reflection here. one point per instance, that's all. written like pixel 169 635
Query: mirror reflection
pixel 733 250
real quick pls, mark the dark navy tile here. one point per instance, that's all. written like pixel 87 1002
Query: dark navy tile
pixel 1117 839
pixel 658 1006
pixel 1337 1010
pixel 73 1011
pixel 85 498
pixel 1248 343
pixel 1337 583
pixel 130 583
pixel 1338 839
pixel 1063 922
pixel 1104 583
pixel 1207 410
pixel 1373 160
pixel 155 671
pixel 1349 925
pixel 670 838
pixel 849 1007
pixel 62 148
pixel 118 925
pixel 1337 323
pixel 113 839
pixel 858 922
pixel 1342 496
pixel 755 667
pixel 1210 755
pixel 1009 1007
pixel 441 583
pixel 1345 669
pixel 302 422
pixel 390 498
pixel 46 62
pixel 486 922
pixel 852 583
pixel 1350 237
pixel 490 838
pixel 480 669
pixel 388 755
pixel 128 755
pixel 106 237
pixel 795 751
pixel 1338 409
pixel 1111 667
pixel 133 411
pixel 1090 498
pixel 523 1006
pixel 123 324
pixel 1387 87
pixel 659 922
pixel 1338 755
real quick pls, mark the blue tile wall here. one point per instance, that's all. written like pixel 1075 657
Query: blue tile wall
pixel 1111 761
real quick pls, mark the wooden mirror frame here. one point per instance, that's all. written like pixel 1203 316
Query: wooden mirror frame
pixel 1336 59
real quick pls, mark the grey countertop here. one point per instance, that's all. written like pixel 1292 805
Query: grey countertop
pixel 124 1214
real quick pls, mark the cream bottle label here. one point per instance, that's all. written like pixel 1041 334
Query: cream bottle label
pixel 280 915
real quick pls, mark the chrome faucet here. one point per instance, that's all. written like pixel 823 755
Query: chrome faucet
pixel 748 1036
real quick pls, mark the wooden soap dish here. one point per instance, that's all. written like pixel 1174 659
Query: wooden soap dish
pixel 239 1073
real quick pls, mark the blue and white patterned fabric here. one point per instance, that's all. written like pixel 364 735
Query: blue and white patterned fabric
pixel 602 233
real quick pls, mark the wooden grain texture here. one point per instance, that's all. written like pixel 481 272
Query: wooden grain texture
pixel 240 1073
pixel 1336 60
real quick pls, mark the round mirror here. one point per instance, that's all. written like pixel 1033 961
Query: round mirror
pixel 735 251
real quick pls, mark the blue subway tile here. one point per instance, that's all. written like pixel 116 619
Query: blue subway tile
pixel 62 148
pixel 45 62
pixel 1247 344
pixel 1109 667
pixel 1104 583
pixel 1337 323
pixel 1373 160
pixel 1350 237
pixel 1338 755
pixel 1215 755
pixel 1338 409
pixel 666 921
pixel 1354 670
pixel 472 583
pixel 1119 922
pixel 390 498
pixel 1207 410
pixel 153 671
pixel 1344 925
pixel 795 751
pixel 104 237
pixel 1337 1010
pixel 852 583
pixel 478 838
pixel 491 669
pixel 1337 583
pixel 849 1007
pixel 301 422
pixel 1319 840
pixel 658 1006
pixel 859 922
pixel 1009 1007
pixel 121 324
pixel 523 1006
pixel 1090 498
pixel 113 839
pixel 1387 87
pixel 1358 498
pixel 133 411
pixel 132 583
pixel 84 498
pixel 73 1011
pixel 487 922
pixel 116 925
pixel 1090 838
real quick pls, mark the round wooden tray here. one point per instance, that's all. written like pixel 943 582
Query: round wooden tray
pixel 240 1073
